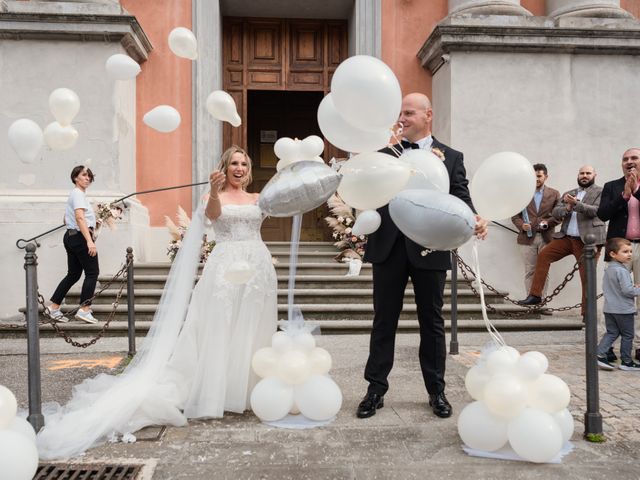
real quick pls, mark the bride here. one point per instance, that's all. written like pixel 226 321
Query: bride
pixel 196 359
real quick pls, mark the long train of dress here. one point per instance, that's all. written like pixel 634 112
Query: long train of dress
pixel 196 360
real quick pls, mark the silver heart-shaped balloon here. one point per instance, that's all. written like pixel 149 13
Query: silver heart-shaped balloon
pixel 298 188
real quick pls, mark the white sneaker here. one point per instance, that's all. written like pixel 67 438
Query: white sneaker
pixel 85 316
pixel 57 316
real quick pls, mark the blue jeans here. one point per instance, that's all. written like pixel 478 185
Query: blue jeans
pixel 618 325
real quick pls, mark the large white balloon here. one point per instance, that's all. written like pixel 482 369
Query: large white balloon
pixel 367 221
pixel 297 188
pixel 18 456
pixel 505 395
pixel 239 272
pixel 121 67
pixel 345 136
pixel 319 398
pixel 25 137
pixel 549 393
pixel 163 118
pixel 64 105
pixel 8 406
pixel 564 419
pixel 222 107
pixel 476 379
pixel 271 399
pixel 311 147
pixel 366 93
pixel 535 435
pixel 480 429
pixel 503 185
pixel 428 172
pixel 370 180
pixel 286 148
pixel 265 362
pixel 183 43
pixel 319 361
pixel 293 367
pixel 58 137
pixel 432 219
pixel 20 425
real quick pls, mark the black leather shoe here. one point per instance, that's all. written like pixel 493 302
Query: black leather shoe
pixel 531 300
pixel 369 404
pixel 440 405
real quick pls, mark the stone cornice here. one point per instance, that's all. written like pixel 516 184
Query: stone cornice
pixel 532 34
pixel 88 22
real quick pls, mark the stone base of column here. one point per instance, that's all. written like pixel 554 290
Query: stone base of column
pixel 490 7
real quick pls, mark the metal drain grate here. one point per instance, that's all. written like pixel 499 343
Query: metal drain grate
pixel 98 471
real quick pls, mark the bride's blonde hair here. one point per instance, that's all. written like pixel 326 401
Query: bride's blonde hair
pixel 225 161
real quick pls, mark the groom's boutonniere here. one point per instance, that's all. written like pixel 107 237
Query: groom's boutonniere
pixel 438 153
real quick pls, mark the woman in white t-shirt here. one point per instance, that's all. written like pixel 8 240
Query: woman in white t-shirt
pixel 82 254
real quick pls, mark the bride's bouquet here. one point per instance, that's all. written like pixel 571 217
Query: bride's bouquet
pixel 178 232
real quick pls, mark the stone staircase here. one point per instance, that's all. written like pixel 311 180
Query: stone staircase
pixel 338 303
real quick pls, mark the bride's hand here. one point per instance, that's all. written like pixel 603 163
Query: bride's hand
pixel 216 181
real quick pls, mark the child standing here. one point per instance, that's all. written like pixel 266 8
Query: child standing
pixel 619 304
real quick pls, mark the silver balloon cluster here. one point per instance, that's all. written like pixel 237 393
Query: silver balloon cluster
pixel 298 188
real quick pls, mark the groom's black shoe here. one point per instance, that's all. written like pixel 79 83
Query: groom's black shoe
pixel 369 404
pixel 440 405
pixel 531 300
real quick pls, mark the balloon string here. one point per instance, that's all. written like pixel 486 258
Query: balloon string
pixel 493 331
pixel 398 142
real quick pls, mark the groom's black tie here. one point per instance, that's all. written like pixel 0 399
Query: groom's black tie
pixel 408 145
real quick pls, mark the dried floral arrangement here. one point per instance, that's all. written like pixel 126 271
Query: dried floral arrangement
pixel 341 221
pixel 177 234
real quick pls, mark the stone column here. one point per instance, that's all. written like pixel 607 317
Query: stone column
pixel 486 7
pixel 586 8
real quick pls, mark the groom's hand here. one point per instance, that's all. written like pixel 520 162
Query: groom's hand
pixel 482 228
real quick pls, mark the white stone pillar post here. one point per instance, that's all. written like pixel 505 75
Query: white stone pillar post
pixel 586 8
pixel 486 7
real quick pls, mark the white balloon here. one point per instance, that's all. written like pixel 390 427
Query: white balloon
pixel 265 362
pixel 21 426
pixel 317 159
pixel 476 379
pixel 370 180
pixel 319 398
pixel 286 148
pixel 501 360
pixel 367 221
pixel 8 406
pixel 535 435
pixel 271 399
pixel 282 164
pixel 25 137
pixel 304 341
pixel 239 272
pixel 293 367
pixel 183 43
pixel 64 105
pixel 281 342
pixel 432 219
pixel 366 92
pixel 549 393
pixel 59 137
pixel 222 107
pixel 345 136
pixel 429 171
pixel 163 118
pixel 320 361
pixel 18 456
pixel 311 147
pixel 503 185
pixel 505 395
pixel 121 67
pixel 531 365
pixel 480 429
pixel 565 421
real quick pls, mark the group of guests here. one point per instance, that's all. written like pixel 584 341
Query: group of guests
pixel 579 212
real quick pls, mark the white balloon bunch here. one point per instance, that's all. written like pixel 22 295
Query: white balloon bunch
pixel 64 104
pixel 516 402
pixel 18 452
pixel 295 379
pixel 290 150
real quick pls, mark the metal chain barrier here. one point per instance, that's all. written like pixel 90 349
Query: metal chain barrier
pixel 59 331
pixel 466 270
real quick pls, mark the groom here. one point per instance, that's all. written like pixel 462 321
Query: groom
pixel 395 258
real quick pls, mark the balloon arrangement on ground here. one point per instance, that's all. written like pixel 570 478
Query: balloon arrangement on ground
pixel 18 452
pixel 295 379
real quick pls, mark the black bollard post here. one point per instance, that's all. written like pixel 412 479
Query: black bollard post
pixel 131 328
pixel 35 418
pixel 453 344
pixel 592 418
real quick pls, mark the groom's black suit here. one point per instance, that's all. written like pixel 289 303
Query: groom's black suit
pixel 395 258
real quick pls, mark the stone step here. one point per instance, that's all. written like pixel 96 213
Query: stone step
pixel 528 324
pixel 326 295
pixel 285 247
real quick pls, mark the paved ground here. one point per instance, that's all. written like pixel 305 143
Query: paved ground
pixel 403 441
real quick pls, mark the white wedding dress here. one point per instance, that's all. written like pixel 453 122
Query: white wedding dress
pixel 196 360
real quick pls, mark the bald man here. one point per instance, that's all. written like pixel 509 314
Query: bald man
pixel 395 259
pixel 578 212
